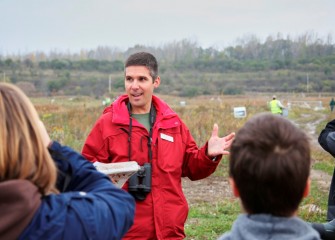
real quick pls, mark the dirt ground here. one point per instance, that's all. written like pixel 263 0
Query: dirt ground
pixel 214 188
pixel 211 189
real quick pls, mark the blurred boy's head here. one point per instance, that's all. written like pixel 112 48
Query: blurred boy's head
pixel 269 165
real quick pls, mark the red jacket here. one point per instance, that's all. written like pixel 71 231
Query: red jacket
pixel 164 211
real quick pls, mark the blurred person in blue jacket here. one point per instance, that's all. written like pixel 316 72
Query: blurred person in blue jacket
pixel 49 191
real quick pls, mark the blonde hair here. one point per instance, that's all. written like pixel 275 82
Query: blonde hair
pixel 23 154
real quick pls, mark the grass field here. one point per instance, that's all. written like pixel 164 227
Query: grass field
pixel 69 120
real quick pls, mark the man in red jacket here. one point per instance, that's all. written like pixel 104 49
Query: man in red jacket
pixel 139 126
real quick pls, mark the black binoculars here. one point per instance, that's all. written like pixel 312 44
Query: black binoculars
pixel 139 185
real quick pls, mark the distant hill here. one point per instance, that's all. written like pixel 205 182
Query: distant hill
pixel 285 65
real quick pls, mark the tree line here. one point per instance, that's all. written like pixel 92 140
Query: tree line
pixel 276 64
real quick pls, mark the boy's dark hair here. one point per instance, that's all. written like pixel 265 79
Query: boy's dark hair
pixel 144 59
pixel 270 164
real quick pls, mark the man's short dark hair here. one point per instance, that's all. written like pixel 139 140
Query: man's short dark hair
pixel 144 59
pixel 270 164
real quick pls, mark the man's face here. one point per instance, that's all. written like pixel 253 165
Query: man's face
pixel 139 87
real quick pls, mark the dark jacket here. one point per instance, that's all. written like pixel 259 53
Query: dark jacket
pixel 327 142
pixel 175 154
pixel 90 208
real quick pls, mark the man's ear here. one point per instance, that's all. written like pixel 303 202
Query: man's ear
pixel 307 188
pixel 234 188
pixel 157 82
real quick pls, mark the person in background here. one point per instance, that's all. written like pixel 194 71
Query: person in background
pixel 106 101
pixel 269 167
pixel 332 104
pixel 49 191
pixel 327 141
pixel 141 127
pixel 276 107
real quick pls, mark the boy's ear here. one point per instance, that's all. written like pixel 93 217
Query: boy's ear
pixel 307 188
pixel 233 187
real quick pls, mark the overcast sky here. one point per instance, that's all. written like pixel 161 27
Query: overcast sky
pixel 71 25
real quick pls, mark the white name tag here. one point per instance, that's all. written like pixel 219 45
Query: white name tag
pixel 166 137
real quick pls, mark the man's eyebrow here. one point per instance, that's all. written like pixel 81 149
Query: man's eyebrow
pixel 139 76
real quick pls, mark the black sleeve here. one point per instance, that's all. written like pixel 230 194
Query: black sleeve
pixel 326 138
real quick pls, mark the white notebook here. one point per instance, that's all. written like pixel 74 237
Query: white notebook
pixel 119 172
